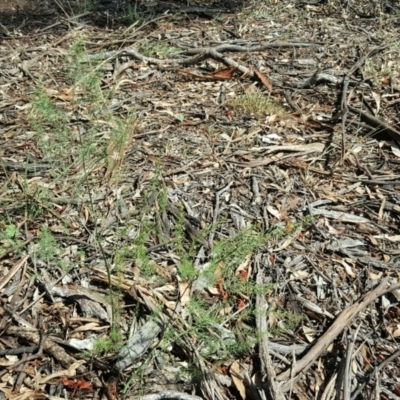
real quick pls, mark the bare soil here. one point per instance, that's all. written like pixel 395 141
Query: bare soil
pixel 16 6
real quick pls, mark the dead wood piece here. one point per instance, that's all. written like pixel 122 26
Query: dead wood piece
pixel 338 215
pixel 203 53
pixel 345 112
pixel 342 321
pixel 217 210
pixel 347 362
pixel 287 349
pixel 23 167
pixel 138 344
pixel 189 10
pixel 267 371
pixel 373 373
pixel 215 53
pixel 169 394
pixel 19 350
pixel 362 60
pixel 301 149
pixel 12 272
pixel 133 52
pixel 56 351
pixel 250 47
pixel 375 182
pixel 376 122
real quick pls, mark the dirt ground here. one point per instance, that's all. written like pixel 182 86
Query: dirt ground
pixel 16 5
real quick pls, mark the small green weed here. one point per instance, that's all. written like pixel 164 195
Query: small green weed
pixel 80 7
pixel 119 140
pixel 35 199
pixel 45 110
pixel 159 49
pixel 132 15
pixel 50 123
pixel 85 77
pixel 110 344
pixel 49 251
pixel 282 321
pixel 8 236
pixel 255 102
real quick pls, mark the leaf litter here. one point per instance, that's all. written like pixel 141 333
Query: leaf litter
pixel 200 202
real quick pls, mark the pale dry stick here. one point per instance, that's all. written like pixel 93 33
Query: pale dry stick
pixel 72 20
pixel 208 385
pixel 229 62
pixel 315 79
pixel 5 31
pixel 256 191
pixel 376 122
pixel 42 295
pixel 69 372
pixel 12 314
pixel 284 349
pixel 216 212
pixel 377 386
pixel 231 316
pixel 26 359
pixel 348 369
pixel 345 111
pixel 13 271
pixel 62 8
pixel 330 387
pixel 292 376
pixel 22 166
pixel 389 394
pixel 249 48
pixel 267 370
pixel 279 356
pixel 374 182
pixel 379 368
pixel 294 151
pixel 362 60
pixel 167 395
pixel 340 376
pixel 344 319
pixel 32 335
pixel 247 136
pixel 132 51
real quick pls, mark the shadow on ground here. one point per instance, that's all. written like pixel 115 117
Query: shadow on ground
pixel 28 16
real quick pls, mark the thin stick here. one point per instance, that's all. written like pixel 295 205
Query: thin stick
pixel 342 321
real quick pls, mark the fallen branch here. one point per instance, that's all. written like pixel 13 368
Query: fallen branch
pixel 50 347
pixel 249 48
pixel 376 122
pixel 204 53
pixel 267 371
pixel 133 52
pixel 170 394
pixel 342 321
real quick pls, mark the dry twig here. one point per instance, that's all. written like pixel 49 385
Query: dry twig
pixel 341 322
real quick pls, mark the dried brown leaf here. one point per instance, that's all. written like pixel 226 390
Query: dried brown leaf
pixel 225 73
pixel 237 379
pixel 263 78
